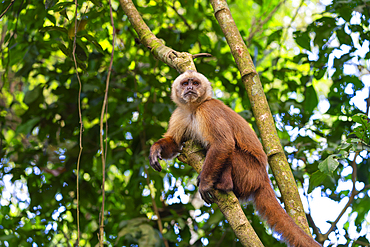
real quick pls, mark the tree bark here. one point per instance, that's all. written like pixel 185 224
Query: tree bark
pixel 261 111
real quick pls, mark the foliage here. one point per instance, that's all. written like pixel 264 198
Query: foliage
pixel 39 122
pixel 331 144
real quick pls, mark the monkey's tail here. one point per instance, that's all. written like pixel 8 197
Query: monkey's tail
pixel 270 209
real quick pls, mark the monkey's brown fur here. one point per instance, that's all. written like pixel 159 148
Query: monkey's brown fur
pixel 235 159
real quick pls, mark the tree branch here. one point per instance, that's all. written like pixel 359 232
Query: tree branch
pixel 81 127
pixel 181 16
pixel 7 8
pixel 201 55
pixel 182 61
pixel 262 113
pixel 155 208
pixel 291 22
pixel 354 192
pixel 104 111
pixel 259 29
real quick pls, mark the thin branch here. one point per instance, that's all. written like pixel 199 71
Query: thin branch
pixel 7 8
pixel 201 55
pixel 5 75
pixel 361 243
pixel 316 230
pixel 103 112
pixel 155 208
pixel 65 235
pixel 350 200
pixel 292 20
pixel 259 29
pixel 368 104
pixel 219 242
pixel 181 61
pixel 144 147
pixel 365 188
pixel 81 126
pixel 255 18
pixel 181 16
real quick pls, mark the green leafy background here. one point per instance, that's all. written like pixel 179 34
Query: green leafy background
pixel 302 65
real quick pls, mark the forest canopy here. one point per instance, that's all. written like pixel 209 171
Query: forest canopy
pixel 313 61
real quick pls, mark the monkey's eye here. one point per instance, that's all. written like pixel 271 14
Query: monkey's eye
pixel 185 83
pixel 195 83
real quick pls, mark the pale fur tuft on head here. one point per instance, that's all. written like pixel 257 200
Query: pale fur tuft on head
pixel 206 91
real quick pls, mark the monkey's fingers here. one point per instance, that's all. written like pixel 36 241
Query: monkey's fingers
pixel 153 160
pixel 156 166
pixel 208 197
pixel 155 154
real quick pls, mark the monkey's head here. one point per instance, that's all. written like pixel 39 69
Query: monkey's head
pixel 191 87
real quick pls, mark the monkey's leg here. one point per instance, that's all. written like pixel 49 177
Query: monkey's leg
pixel 225 182
pixel 214 164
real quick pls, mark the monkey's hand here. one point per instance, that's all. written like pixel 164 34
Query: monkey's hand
pixel 155 154
pixel 206 190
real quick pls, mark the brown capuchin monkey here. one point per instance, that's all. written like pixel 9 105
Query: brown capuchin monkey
pixel 235 160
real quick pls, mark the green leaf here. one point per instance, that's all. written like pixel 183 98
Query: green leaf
pixel 27 127
pixel 80 51
pixel 53 28
pixel 61 6
pixel 363 239
pixel 363 172
pixel 345 12
pixel 329 165
pixel 64 13
pixel 311 101
pixel 300 58
pixel 303 39
pixel 361 119
pixel 320 73
pixel 50 3
pixel 363 130
pixel 204 40
pixel 93 41
pixel 32 95
pixel 64 49
pixel 315 180
pixel 215 218
pixel 343 37
pixel 259 2
pixel 275 36
pixel 170 235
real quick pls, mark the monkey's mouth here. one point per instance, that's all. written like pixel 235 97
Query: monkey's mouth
pixel 190 93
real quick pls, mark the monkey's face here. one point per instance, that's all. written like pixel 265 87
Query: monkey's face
pixel 190 89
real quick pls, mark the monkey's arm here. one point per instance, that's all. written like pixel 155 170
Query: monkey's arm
pixel 165 148
pixel 170 144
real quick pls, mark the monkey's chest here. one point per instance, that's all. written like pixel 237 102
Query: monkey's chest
pixel 195 131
